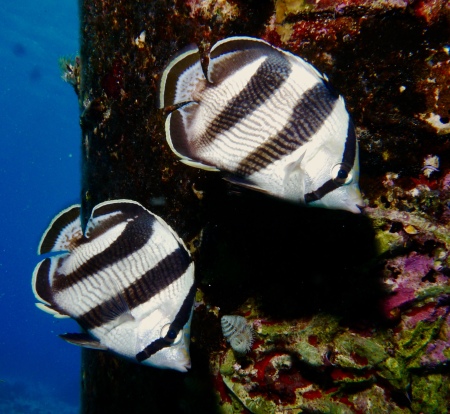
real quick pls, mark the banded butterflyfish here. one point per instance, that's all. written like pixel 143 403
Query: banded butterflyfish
pixel 267 119
pixel 128 280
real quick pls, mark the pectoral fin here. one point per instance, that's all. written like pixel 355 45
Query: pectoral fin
pixel 242 182
pixel 84 340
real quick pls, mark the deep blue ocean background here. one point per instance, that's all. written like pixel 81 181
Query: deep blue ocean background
pixel 40 175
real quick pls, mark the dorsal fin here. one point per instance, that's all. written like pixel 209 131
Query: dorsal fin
pixel 104 216
pixel 41 285
pixel 180 77
pixel 226 57
pixel 63 232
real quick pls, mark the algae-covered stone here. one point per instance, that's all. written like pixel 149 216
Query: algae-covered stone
pixel 394 371
pixel 387 242
pixel 256 405
pixel 430 394
pixel 358 352
pixel 374 401
pixel 413 343
pixel 309 353
pixel 226 367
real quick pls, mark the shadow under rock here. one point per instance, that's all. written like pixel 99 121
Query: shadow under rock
pixel 296 261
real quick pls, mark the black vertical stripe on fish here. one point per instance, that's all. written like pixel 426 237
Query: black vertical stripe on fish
pixel 155 280
pixel 348 159
pixel 323 190
pixel 175 327
pixel 267 79
pixel 185 60
pixel 152 349
pixel 41 283
pixel 109 215
pixel 61 222
pixel 135 235
pixel 307 118
pixel 184 313
pixel 235 44
pixel 166 272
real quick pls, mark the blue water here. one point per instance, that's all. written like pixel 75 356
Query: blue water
pixel 40 175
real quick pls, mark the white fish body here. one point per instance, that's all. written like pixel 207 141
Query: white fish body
pixel 266 117
pixel 128 281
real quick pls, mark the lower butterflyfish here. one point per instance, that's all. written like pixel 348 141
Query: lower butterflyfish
pixel 264 117
pixel 128 280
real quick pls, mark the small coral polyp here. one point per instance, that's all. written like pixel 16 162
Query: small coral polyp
pixel 237 332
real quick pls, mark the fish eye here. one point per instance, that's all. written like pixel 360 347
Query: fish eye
pixel 340 174
pixel 171 335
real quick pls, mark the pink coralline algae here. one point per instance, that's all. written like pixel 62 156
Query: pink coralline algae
pixel 408 279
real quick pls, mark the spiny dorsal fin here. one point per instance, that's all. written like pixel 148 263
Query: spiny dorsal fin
pixel 63 232
pixel 226 56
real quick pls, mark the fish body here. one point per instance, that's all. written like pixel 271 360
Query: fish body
pixel 265 117
pixel 128 280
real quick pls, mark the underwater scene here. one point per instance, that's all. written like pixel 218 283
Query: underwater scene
pixel 226 206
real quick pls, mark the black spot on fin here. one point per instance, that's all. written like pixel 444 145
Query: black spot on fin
pixel 84 340
pixel 63 233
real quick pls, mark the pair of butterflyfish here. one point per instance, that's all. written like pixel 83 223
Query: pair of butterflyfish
pixel 265 118
pixel 128 280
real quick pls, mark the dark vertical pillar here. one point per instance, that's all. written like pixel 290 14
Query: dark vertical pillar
pixel 124 47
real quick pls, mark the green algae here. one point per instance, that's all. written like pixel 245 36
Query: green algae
pixel 309 353
pixel 412 343
pixel 394 371
pixel 256 405
pixel 373 401
pixel 430 394
pixel 387 242
pixel 420 221
pixel 432 292
pixel 226 367
pixel 370 350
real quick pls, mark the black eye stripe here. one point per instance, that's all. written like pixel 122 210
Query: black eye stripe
pixel 175 327
pixel 348 160
pixel 324 189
